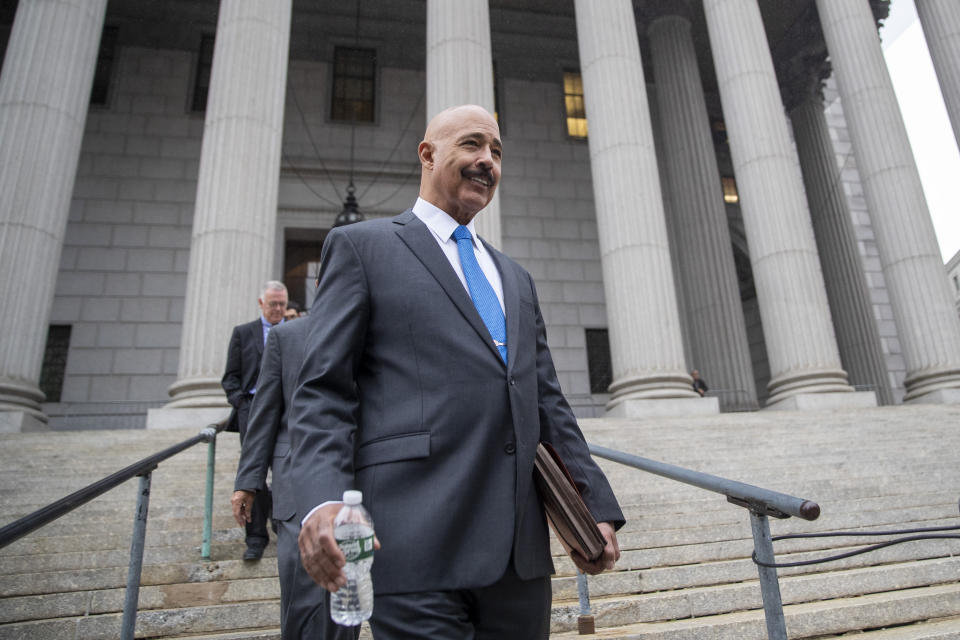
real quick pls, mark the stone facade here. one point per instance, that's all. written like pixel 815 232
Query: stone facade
pixel 125 256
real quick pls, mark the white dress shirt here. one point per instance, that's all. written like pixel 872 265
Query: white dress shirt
pixel 442 226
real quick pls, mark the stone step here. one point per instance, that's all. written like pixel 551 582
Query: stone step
pixel 177 525
pixel 944 629
pixel 807 620
pixel 706 574
pixel 681 602
pixel 662 605
pixel 117 516
pixel 83 570
pixel 685 550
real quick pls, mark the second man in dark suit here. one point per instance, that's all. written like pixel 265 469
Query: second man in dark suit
pixel 240 384
pixel 267 444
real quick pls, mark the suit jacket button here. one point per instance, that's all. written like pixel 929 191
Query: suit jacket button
pixel 512 381
pixel 510 448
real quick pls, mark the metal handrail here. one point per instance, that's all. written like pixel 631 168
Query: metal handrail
pixel 760 502
pixel 144 469
pixel 770 503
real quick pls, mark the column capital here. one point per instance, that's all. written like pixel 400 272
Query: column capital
pixel 801 56
pixel 800 60
pixel 653 10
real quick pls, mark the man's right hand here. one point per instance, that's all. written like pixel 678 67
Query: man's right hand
pixel 319 552
pixel 242 503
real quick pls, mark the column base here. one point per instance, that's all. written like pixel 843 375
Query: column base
pixel 940 396
pixel 196 393
pixel 815 401
pixel 186 418
pixel 21 421
pixel 663 408
pixel 930 382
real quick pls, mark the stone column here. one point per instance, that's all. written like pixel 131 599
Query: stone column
pixel 644 324
pixel 912 269
pixel 460 71
pixel 235 217
pixel 853 320
pixel 44 93
pixel 802 350
pixel 940 20
pixel 706 273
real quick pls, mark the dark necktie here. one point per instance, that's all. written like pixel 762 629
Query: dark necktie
pixel 482 293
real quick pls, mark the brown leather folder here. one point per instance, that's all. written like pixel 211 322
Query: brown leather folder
pixel 566 511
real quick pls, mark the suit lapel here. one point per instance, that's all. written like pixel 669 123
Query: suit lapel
pixel 424 246
pixel 257 330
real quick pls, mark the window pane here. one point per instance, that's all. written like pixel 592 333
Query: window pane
pixel 55 361
pixel 354 89
pixel 573 103
pixel 105 58
pixel 201 83
pixel 599 367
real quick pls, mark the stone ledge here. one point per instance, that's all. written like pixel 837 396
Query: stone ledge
pixel 940 396
pixel 20 421
pixel 665 407
pixel 816 401
pixel 196 417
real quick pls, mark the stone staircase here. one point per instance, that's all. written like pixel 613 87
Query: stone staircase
pixel 685 572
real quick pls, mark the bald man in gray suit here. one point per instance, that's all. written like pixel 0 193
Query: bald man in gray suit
pixel 427 384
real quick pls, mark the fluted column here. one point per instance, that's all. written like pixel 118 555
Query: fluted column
pixel 929 329
pixel 644 325
pixel 940 20
pixel 236 209
pixel 853 320
pixel 44 93
pixel 801 346
pixel 460 71
pixel 706 273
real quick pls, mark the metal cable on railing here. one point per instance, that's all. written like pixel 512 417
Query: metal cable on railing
pixel 760 503
pixel 144 469
pixel 910 535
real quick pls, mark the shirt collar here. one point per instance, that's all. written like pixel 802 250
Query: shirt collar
pixel 267 325
pixel 439 221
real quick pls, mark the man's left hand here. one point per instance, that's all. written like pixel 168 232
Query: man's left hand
pixel 611 552
pixel 242 503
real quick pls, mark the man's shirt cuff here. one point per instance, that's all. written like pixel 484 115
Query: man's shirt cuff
pixel 319 506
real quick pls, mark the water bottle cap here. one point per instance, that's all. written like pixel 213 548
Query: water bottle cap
pixel 352 498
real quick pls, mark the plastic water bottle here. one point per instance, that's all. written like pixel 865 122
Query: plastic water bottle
pixel 352 603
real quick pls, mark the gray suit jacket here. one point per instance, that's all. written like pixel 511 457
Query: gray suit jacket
pixel 266 442
pixel 404 396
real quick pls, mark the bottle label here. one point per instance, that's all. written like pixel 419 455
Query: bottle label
pixel 356 548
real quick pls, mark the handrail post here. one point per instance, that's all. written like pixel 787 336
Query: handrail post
pixel 129 624
pixel 769 586
pixel 208 503
pixel 585 622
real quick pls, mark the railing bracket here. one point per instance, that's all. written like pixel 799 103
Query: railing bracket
pixel 758 508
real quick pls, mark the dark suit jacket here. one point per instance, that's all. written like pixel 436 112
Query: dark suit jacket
pixel 404 396
pixel 240 375
pixel 266 442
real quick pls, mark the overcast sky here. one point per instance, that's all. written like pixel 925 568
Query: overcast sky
pixel 925 116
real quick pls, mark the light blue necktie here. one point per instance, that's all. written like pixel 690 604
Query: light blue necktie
pixel 484 298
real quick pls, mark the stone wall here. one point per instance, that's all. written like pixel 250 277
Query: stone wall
pixel 123 270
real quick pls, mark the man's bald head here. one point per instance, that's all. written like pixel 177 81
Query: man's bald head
pixel 460 161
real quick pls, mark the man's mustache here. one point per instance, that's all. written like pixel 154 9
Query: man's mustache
pixel 485 174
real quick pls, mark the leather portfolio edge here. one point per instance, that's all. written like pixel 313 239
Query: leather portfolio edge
pixel 565 509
